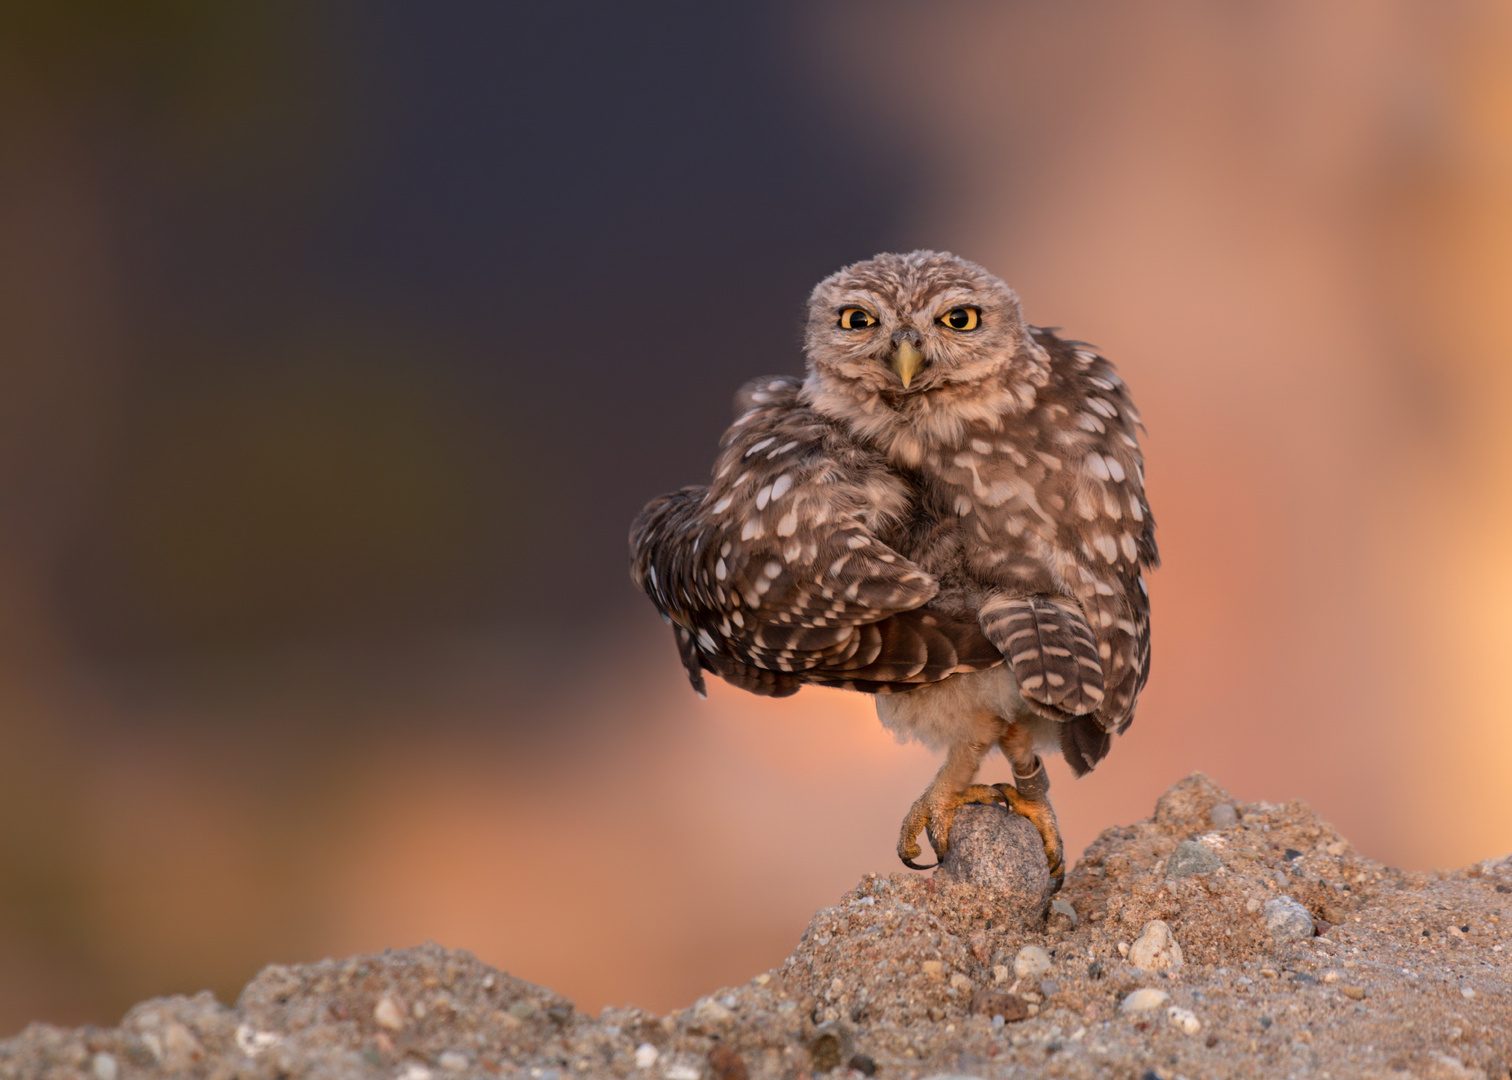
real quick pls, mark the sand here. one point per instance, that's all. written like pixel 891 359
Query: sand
pixel 1211 940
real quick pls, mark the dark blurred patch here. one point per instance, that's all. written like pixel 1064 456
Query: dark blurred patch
pixel 340 492
pixel 586 223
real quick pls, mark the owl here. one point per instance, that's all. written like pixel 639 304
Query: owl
pixel 948 512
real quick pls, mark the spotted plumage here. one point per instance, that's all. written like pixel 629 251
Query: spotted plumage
pixel 948 487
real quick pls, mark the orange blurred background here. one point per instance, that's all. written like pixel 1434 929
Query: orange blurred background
pixel 338 345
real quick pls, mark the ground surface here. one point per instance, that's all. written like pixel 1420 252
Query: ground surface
pixel 1388 974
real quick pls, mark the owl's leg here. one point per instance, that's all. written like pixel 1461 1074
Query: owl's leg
pixel 933 811
pixel 1030 796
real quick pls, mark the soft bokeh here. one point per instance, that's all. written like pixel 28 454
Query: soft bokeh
pixel 339 343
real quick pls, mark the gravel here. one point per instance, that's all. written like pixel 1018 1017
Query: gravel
pixel 908 976
pixel 1192 857
pixel 1287 920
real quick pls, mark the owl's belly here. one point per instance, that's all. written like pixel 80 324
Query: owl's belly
pixel 975 706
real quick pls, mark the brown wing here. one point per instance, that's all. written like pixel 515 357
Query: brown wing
pixel 1050 647
pixel 773 576
pixel 1113 540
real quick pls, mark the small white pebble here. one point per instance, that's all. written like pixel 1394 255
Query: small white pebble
pixel 646 1055
pixel 1184 1019
pixel 1031 962
pixel 415 1071
pixel 105 1067
pixel 452 1061
pixel 682 1072
pixel 388 1014
pixel 1000 974
pixel 1330 976
pixel 1467 992
pixel 1123 948
pixel 961 983
pixel 763 979
pixel 1252 905
pixel 1144 999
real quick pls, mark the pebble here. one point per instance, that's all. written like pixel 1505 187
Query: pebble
pixel 1288 920
pixel 682 1072
pixel 1191 857
pixel 1061 906
pixel 646 1055
pixel 934 970
pixel 388 1015
pixel 1155 949
pixel 1144 999
pixel 1000 974
pixel 708 1011
pixel 1467 992
pixel 960 982
pixel 1223 816
pixel 1184 1019
pixel 1049 987
pixel 1353 993
pixel 1031 962
pixel 105 1067
pixel 453 1061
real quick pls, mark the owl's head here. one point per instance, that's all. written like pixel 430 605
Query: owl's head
pixel 908 335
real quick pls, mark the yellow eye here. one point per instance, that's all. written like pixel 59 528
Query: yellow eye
pixel 854 318
pixel 961 318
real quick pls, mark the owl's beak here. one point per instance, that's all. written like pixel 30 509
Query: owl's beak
pixel 906 361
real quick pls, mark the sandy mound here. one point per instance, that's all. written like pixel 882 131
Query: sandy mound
pixel 1210 940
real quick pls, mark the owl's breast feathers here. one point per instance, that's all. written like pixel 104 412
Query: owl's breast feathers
pixel 777 575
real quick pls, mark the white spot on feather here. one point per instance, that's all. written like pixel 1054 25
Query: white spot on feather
pixel 789 524
pixel 1098 467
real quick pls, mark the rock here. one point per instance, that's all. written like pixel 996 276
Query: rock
pixel 1288 920
pixel 1353 993
pixel 960 983
pixel 708 1013
pixel 830 1046
pixel 1155 949
pixel 1187 807
pixel 1184 1019
pixel 105 1067
pixel 992 1003
pixel 1063 908
pixel 646 1055
pixel 388 1014
pixel 1031 962
pixel 1191 857
pixel 453 1061
pixel 1145 999
pixel 727 1064
pixel 1223 816
pixel 933 970
pixel 992 846
pixel 1049 987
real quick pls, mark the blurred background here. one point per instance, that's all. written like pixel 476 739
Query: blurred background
pixel 340 342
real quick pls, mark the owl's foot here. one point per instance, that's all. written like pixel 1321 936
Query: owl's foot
pixel 1030 799
pixel 932 814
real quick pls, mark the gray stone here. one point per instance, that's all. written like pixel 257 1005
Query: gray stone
pixel 1223 816
pixel 1191 857
pixel 1061 906
pixel 1288 920
pixel 992 846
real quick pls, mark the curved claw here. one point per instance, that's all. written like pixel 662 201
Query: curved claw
pixel 932 814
